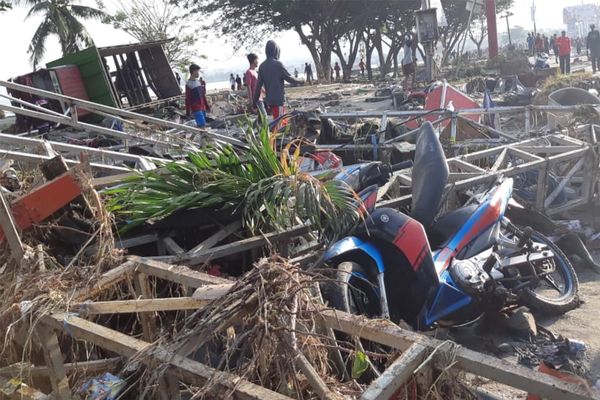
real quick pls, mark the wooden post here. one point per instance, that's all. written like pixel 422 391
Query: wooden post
pixel 55 363
pixel 7 223
pixel 168 386
pixel 541 187
pixel 396 374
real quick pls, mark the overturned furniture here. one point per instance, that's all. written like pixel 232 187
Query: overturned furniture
pixel 126 76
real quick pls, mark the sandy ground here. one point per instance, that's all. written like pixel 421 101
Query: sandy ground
pixel 583 323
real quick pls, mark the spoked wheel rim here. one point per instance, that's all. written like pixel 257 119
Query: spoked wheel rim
pixel 555 283
pixel 554 278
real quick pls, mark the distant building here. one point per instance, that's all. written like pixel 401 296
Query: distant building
pixel 579 18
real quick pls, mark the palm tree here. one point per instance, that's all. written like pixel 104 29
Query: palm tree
pixel 61 18
pixel 5 5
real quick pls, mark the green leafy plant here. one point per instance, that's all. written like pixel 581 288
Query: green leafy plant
pixel 359 365
pixel 267 187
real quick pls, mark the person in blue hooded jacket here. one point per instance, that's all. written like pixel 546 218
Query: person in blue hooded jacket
pixel 272 75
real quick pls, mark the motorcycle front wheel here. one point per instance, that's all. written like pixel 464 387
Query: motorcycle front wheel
pixel 352 290
pixel 558 289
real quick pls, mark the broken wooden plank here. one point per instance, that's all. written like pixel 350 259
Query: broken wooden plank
pixel 112 180
pixel 9 228
pixel 499 161
pixel 246 244
pixel 139 306
pixel 547 149
pixel 43 201
pixel 137 240
pixel 176 273
pixel 216 238
pixel 396 374
pixel 142 292
pixel 387 333
pixel 524 155
pixel 172 247
pixel 302 363
pixel 108 279
pixel 168 386
pixel 81 367
pixel 54 361
pixel 212 292
pixel 541 187
pixel 567 206
pixel 466 166
pixel 566 179
pixel 183 368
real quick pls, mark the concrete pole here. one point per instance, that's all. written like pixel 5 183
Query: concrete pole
pixel 492 28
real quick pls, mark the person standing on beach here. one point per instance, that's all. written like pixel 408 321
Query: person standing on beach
pixel 593 46
pixel 238 82
pixel 530 43
pixel 308 73
pixel 272 75
pixel 337 69
pixel 361 65
pixel 251 82
pixel 232 82
pixel 408 64
pixel 563 44
pixel 196 103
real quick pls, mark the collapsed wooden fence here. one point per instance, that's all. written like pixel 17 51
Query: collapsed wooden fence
pixel 417 350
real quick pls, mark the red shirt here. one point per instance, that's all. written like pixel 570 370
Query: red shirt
pixel 251 81
pixel 195 97
pixel 564 46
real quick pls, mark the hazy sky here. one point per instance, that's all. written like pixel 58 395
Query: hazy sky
pixel 16 32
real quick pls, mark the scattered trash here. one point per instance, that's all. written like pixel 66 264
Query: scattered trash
pixel 104 387
pixel 547 368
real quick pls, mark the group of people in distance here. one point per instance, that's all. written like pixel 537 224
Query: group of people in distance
pixel 236 83
pixel 265 83
pixel 561 46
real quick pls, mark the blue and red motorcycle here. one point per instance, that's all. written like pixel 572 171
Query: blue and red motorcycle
pixel 447 270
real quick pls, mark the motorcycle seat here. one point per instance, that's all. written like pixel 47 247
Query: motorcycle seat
pixel 445 226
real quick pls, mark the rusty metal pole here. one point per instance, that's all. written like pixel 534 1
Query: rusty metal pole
pixel 492 28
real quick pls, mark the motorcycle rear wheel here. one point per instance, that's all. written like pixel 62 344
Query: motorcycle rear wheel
pixel 539 301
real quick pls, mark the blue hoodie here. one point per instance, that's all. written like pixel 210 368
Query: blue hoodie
pixel 271 75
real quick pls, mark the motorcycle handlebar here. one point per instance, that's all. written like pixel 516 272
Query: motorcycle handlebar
pixel 402 165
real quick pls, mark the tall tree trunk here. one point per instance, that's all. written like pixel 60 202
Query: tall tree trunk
pixel 396 70
pixel 378 44
pixel 325 63
pixel 369 55
pixel 321 54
